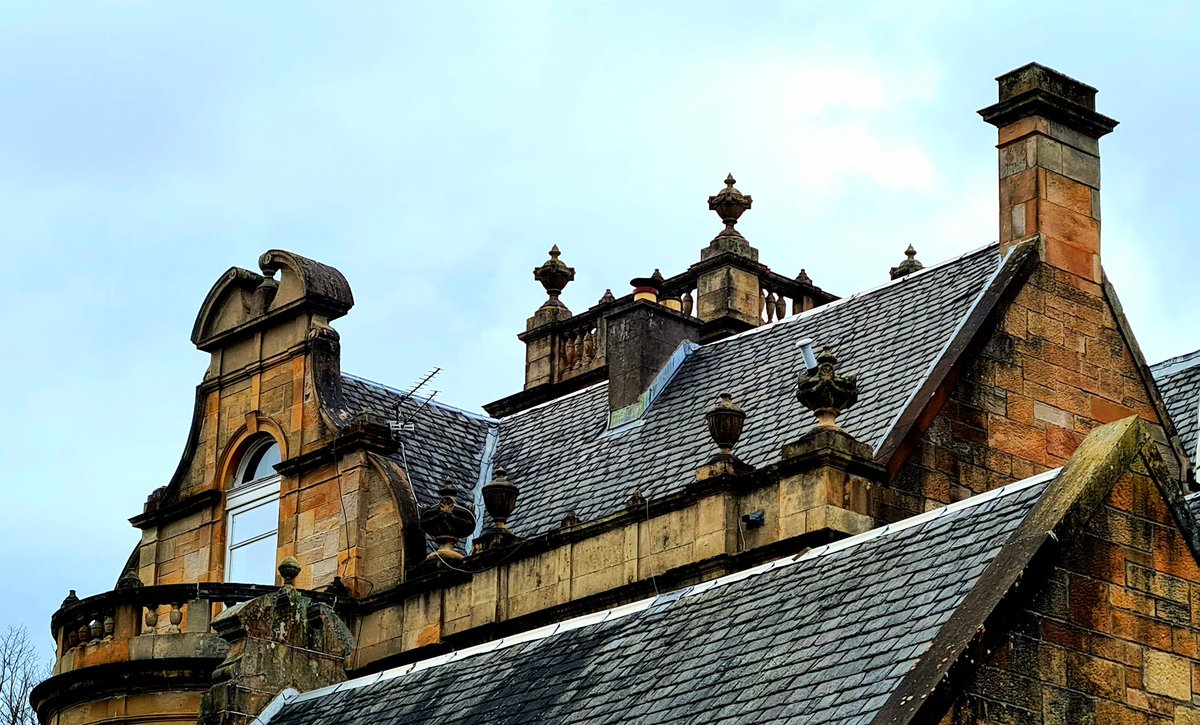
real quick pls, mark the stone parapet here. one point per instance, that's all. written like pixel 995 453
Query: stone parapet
pixel 731 517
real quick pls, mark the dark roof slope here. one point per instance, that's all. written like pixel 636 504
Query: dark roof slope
pixel 1193 504
pixel 443 443
pixel 563 460
pixel 1179 383
pixel 824 637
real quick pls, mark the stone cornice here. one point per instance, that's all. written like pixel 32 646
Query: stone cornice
pixel 359 434
pixel 176 509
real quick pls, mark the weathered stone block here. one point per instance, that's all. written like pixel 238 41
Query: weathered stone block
pixel 1168 675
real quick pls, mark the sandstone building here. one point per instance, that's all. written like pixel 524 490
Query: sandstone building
pixel 728 495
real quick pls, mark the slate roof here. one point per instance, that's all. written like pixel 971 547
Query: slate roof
pixel 824 637
pixel 1193 504
pixel 443 442
pixel 1178 382
pixel 562 459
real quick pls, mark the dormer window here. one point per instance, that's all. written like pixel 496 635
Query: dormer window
pixel 252 517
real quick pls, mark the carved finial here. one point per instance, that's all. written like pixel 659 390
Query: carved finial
pixel 289 569
pixel 803 278
pixel 725 421
pixel 607 298
pixel 447 521
pixel 129 580
pixel 554 274
pixel 70 599
pixel 570 520
pixel 909 265
pixel 635 501
pixel 500 498
pixel 826 393
pixel 729 204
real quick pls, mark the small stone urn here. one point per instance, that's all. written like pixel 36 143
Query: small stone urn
pixel 448 522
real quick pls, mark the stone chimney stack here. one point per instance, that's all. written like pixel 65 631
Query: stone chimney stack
pixel 642 335
pixel 1050 166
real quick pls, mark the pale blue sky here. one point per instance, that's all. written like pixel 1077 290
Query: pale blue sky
pixel 434 152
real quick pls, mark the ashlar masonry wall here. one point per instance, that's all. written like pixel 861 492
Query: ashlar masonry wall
pixel 340 518
pixel 617 560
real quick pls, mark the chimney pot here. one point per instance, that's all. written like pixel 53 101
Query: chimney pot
pixel 647 288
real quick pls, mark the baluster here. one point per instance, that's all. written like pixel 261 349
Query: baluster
pixel 685 302
pixel 109 625
pixel 579 350
pixel 72 636
pixel 569 352
pixel 770 306
pixel 84 632
pixel 780 307
pixel 762 304
pixel 96 629
pixel 175 618
pixel 589 346
pixel 151 618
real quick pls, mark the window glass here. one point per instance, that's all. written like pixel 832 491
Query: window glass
pixel 261 464
pixel 253 563
pixel 254 521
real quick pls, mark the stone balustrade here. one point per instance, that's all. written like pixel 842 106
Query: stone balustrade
pixel 157 636
pixel 93 628
pixel 581 344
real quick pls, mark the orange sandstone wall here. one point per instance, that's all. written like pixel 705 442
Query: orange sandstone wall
pixel 1112 637
pixel 1054 367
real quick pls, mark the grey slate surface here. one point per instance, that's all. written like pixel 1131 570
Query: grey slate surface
pixel 1193 503
pixel 820 639
pixel 1179 383
pixel 561 459
pixel 444 443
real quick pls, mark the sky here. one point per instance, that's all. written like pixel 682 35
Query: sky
pixel 433 152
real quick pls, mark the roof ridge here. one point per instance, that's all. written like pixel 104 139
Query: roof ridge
pixel 1176 364
pixel 666 598
pixel 422 398
pixel 906 279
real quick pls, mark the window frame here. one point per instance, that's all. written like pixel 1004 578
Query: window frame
pixel 244 497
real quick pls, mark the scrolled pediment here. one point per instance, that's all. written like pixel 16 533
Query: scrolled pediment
pixel 242 300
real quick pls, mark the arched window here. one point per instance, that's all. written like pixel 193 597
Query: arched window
pixel 252 517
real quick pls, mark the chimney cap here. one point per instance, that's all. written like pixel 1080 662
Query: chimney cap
pixel 1036 90
pixel 1036 75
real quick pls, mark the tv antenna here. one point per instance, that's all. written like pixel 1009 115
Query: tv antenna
pixel 400 425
